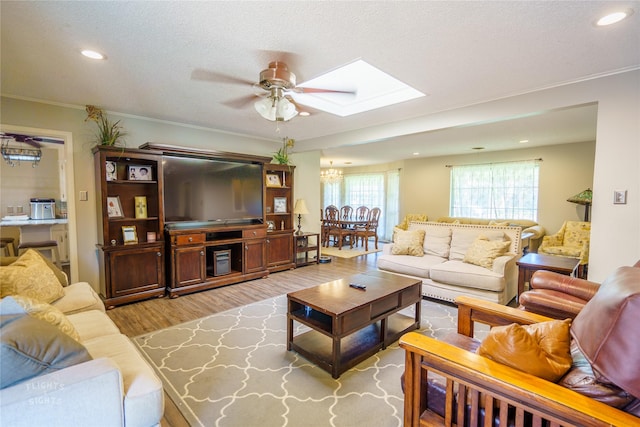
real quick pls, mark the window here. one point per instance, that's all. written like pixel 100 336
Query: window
pixel 372 190
pixel 495 191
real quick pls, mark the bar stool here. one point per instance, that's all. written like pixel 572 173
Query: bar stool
pixel 7 244
pixel 44 245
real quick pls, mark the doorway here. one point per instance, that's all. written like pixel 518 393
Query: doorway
pixel 65 156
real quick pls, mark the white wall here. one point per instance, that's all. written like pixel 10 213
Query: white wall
pixel 565 170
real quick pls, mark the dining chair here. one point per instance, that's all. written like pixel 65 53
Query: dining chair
pixel 370 229
pixel 333 227
pixel 345 213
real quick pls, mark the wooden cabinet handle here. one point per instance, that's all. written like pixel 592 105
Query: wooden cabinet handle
pixel 191 239
pixel 202 253
pixel 159 254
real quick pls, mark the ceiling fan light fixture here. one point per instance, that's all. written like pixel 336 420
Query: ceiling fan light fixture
pixel 276 108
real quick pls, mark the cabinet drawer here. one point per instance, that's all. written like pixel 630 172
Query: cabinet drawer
pixel 259 232
pixel 384 305
pixel 189 239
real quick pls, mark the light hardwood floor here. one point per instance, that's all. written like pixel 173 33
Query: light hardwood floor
pixel 147 316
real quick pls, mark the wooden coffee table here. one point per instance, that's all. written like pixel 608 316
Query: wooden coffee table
pixel 348 325
pixel 533 262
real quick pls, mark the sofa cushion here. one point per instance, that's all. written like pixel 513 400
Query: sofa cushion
pixel 463 238
pixel 144 398
pixel 32 347
pixel 606 330
pixel 408 243
pixel 30 276
pixel 541 349
pixel 437 240
pixel 18 304
pixel 467 275
pixel 93 323
pixel 483 251
pixel 79 297
pixel 409 265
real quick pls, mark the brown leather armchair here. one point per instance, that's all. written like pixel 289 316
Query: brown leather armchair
pixel 558 296
pixel 479 391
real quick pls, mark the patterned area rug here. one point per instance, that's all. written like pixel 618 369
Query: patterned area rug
pixel 233 369
pixel 346 252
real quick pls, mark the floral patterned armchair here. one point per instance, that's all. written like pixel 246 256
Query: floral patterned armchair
pixel 571 241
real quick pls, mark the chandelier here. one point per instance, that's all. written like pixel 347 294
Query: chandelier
pixel 331 175
pixel 14 155
pixel 276 107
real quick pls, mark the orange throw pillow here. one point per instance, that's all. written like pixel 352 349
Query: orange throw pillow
pixel 541 349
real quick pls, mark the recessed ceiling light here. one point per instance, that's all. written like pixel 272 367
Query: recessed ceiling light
pixel 416 154
pixel 612 18
pixel 93 54
pixel 304 114
pixel 523 141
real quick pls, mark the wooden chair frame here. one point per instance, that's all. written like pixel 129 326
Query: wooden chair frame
pixel 502 391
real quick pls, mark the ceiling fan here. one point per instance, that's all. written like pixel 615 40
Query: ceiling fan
pixel 274 86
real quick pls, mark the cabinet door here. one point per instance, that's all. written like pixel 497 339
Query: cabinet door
pixel 189 266
pixel 136 270
pixel 254 255
pixel 279 249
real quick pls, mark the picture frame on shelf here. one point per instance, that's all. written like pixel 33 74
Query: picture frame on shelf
pixel 129 235
pixel 279 205
pixel 271 226
pixel 273 180
pixel 114 208
pixel 139 173
pixel 111 170
pixel 140 203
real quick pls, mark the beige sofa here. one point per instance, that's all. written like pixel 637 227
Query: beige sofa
pixel 115 387
pixel 532 232
pixel 441 263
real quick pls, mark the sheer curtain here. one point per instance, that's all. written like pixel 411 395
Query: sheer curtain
pixel 495 191
pixel 371 190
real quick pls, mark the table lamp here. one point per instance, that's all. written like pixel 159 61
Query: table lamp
pixel 300 209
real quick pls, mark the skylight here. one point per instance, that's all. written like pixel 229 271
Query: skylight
pixel 374 89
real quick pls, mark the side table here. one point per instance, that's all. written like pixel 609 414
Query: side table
pixel 307 248
pixel 533 262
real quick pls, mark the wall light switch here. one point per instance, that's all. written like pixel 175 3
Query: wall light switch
pixel 84 195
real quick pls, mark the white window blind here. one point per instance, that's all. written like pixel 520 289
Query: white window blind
pixel 495 191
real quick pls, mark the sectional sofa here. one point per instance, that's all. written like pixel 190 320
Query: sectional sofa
pixel 64 362
pixel 457 259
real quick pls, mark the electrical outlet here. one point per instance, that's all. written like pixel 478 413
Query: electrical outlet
pixel 84 195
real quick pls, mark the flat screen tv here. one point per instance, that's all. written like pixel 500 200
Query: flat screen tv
pixel 211 191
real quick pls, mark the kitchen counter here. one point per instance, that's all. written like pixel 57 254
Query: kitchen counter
pixel 25 222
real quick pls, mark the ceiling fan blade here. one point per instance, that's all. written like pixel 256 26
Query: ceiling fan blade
pixel 316 90
pixel 214 76
pixel 240 103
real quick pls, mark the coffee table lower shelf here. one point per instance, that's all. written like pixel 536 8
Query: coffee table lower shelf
pixel 317 345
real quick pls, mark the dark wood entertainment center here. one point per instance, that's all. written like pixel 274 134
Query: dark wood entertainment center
pixel 185 257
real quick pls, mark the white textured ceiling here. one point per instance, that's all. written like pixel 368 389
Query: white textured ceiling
pixel 458 52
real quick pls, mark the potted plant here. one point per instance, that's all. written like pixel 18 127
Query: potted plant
pixel 109 133
pixel 282 155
